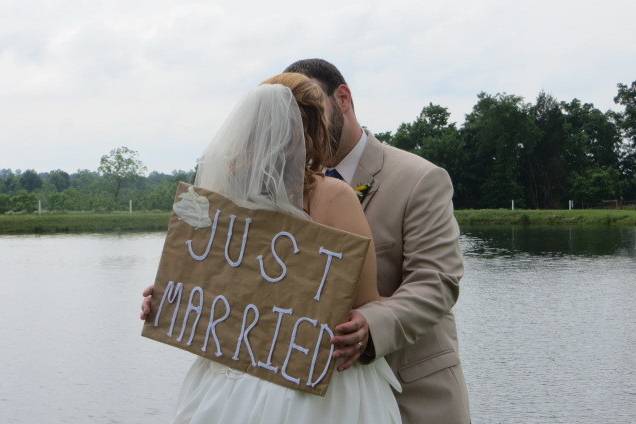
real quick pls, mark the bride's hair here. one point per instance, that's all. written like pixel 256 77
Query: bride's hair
pixel 311 101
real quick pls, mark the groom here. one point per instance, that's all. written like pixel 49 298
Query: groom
pixel 408 202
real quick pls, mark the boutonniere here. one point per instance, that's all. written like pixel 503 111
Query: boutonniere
pixel 362 190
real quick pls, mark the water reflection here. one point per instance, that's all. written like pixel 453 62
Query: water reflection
pixel 547 324
pixel 488 241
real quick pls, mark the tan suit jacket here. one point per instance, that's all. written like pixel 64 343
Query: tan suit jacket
pixel 410 211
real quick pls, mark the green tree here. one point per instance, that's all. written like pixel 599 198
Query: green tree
pixel 185 176
pixel 5 203
pixel 162 196
pixel 434 138
pixel 9 181
pixel 60 179
pixel 496 135
pixel 120 166
pixel 30 180
pixel 545 167
pixel 384 136
pixel 24 201
pixel 99 202
pixel 56 201
pixel 432 122
pixel 595 185
pixel 626 121
pixel 626 97
pixel 72 200
pixel 593 139
pixel 87 181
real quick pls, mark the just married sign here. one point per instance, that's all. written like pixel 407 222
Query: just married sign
pixel 258 291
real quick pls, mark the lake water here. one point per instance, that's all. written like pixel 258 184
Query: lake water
pixel 546 319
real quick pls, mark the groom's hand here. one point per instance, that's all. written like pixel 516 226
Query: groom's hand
pixel 350 340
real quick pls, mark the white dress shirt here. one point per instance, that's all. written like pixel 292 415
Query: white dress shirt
pixel 348 165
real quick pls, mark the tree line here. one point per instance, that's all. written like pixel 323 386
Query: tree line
pixel 119 178
pixel 541 155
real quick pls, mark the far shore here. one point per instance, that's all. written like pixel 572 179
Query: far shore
pixel 83 222
pixel 142 221
pixel 616 217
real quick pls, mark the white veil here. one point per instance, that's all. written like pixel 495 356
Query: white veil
pixel 257 158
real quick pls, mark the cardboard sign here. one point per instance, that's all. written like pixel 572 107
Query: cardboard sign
pixel 258 291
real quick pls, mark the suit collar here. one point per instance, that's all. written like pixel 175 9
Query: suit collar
pixel 370 164
pixel 371 161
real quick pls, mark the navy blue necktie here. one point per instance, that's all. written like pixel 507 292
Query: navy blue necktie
pixel 334 173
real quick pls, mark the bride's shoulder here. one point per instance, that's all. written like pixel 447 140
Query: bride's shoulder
pixel 331 198
pixel 327 188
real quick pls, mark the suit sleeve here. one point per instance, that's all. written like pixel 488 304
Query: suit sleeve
pixel 431 270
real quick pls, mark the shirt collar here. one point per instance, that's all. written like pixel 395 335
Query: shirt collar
pixel 348 165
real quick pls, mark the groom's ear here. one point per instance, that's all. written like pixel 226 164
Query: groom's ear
pixel 343 98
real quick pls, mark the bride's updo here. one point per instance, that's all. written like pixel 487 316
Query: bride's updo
pixel 311 102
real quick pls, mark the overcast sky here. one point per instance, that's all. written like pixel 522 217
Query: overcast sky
pixel 78 78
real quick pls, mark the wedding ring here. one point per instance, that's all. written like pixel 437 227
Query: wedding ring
pixel 360 345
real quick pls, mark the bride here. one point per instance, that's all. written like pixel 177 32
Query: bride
pixel 269 154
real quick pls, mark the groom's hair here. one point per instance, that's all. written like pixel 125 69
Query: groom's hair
pixel 321 70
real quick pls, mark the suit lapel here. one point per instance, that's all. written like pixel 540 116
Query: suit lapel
pixel 370 164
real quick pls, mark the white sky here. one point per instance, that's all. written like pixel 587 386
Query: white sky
pixel 78 78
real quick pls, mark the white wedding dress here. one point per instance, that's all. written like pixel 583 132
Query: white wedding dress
pixel 214 393
pixel 257 159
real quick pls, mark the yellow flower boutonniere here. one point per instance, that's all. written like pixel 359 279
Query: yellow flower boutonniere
pixel 362 190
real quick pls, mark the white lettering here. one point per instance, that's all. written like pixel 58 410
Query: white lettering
pixel 206 252
pixel 243 338
pixel 323 328
pixel 214 322
pixel 282 264
pixel 280 312
pixel 171 293
pixel 293 346
pixel 191 307
pixel 330 256
pixel 230 231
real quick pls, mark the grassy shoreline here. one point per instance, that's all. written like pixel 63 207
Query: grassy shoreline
pixel 625 217
pixel 84 222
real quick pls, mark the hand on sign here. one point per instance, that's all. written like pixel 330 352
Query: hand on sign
pixel 145 304
pixel 351 340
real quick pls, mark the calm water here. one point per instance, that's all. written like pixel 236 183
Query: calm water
pixel 547 326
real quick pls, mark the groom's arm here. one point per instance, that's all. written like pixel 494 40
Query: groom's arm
pixel 432 267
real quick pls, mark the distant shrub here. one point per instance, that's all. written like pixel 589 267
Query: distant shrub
pixel 5 203
pixel 24 201
pixel 56 202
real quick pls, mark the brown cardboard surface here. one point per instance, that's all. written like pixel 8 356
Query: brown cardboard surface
pixel 243 285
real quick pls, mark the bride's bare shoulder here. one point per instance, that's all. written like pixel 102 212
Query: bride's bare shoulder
pixel 332 200
pixel 332 189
